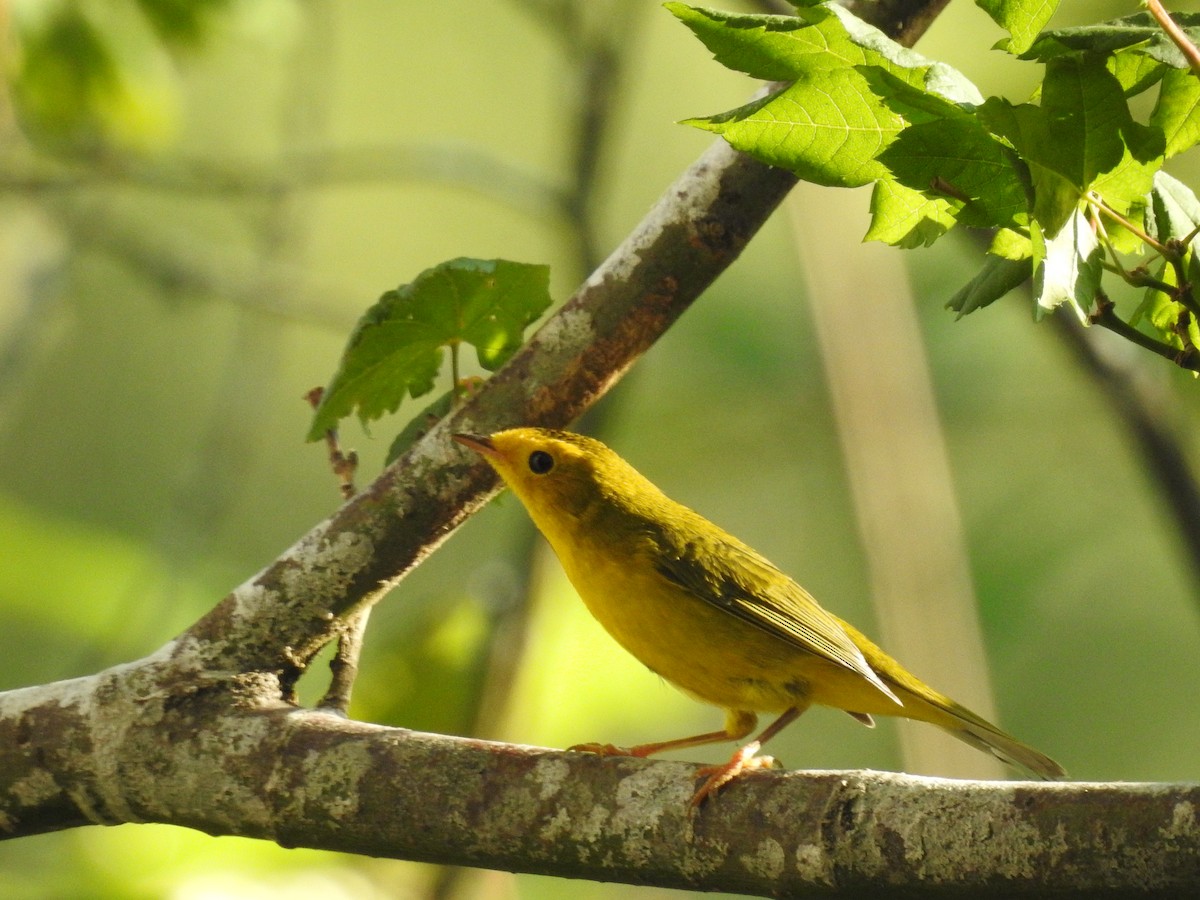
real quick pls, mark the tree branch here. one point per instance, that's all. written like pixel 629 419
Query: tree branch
pixel 310 778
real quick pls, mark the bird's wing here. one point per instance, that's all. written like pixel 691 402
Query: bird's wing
pixel 733 577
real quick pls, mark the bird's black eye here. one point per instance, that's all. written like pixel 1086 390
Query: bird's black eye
pixel 540 462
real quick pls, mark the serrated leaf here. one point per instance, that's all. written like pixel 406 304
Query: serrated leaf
pixel 1025 126
pixel 947 154
pixel 905 63
pixel 397 347
pixel 995 278
pixel 828 125
pixel 773 48
pixel 1138 31
pixel 1022 19
pixel 1134 71
pixel 906 218
pixel 1009 244
pixel 1174 210
pixel 827 132
pixel 1086 110
pixel 1080 138
pixel 1069 268
pixel 1177 112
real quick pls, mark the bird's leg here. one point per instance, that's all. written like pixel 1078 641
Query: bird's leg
pixel 744 758
pixel 738 724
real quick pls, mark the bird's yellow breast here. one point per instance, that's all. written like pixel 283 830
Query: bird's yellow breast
pixel 696 646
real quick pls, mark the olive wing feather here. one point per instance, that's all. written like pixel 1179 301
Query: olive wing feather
pixel 732 577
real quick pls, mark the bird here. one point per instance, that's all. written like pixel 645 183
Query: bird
pixel 708 613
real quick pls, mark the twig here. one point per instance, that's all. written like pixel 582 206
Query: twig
pixel 344 665
pixel 343 464
pixel 1130 396
pixel 1176 34
pixel 1105 316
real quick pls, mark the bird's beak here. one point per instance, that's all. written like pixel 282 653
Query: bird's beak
pixel 480 443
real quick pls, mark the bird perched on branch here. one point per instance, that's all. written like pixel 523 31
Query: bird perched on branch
pixel 708 613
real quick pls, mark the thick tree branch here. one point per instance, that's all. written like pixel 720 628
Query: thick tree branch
pixel 311 778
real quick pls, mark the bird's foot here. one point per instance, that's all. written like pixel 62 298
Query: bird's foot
pixel 716 777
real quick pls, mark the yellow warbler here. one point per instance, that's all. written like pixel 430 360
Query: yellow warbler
pixel 708 613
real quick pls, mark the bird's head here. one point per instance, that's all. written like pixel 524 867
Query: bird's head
pixel 557 473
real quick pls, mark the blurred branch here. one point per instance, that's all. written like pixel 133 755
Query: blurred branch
pixel 1139 406
pixel 454 164
pixel 268 287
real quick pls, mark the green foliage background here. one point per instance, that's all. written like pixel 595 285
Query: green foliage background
pixel 181 266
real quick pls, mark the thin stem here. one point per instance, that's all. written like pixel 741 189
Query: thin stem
pixel 1105 316
pixel 1176 34
pixel 1099 204
pixel 344 665
pixel 455 376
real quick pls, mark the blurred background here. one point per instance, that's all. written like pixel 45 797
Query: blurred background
pixel 199 199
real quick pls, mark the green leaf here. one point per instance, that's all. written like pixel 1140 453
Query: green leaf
pixel 827 132
pixel 947 154
pixel 396 349
pixel 1081 138
pixel 1023 19
pixel 906 218
pixel 1086 110
pixel 1177 112
pixel 1135 72
pixel 1125 186
pixel 1169 317
pixel 1138 32
pixel 1010 244
pixel 828 125
pixel 766 47
pixel 995 278
pixel 1174 210
pixel 817 39
pixel 1068 267
pixel 1027 128
pixel 1173 214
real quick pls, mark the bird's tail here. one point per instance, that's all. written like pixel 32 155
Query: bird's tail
pixel 983 735
pixel 924 703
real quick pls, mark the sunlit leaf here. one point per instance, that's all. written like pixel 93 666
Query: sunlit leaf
pixel 1068 270
pixel 1022 19
pixel 397 347
pixel 829 124
pixel 906 218
pixel 1177 112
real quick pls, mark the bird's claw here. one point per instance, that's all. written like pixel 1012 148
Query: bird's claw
pixel 716 777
